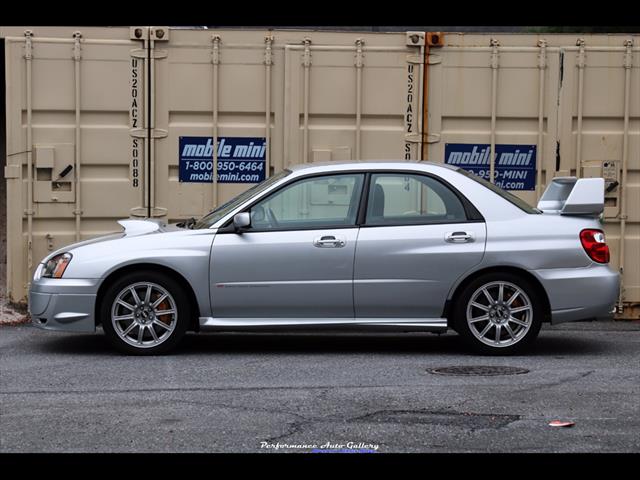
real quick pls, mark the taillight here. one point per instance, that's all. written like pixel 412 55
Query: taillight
pixel 595 244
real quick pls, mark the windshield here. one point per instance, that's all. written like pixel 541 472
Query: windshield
pixel 510 197
pixel 219 212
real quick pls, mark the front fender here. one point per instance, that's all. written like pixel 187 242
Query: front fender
pixel 185 252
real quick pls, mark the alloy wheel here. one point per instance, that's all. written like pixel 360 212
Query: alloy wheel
pixel 499 314
pixel 144 314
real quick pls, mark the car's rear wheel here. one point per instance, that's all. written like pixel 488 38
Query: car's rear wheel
pixel 145 313
pixel 498 314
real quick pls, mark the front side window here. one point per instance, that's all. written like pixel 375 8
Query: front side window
pixel 212 217
pixel 398 199
pixel 315 202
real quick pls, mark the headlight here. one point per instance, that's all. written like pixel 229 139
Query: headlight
pixel 38 273
pixel 56 266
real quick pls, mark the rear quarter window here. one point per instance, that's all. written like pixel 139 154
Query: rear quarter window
pixel 510 197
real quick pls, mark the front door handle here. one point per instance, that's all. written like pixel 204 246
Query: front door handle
pixel 329 241
pixel 458 237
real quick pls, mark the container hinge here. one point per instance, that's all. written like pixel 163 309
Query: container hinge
pixel 158 212
pixel 415 39
pixel 434 59
pixel 77 49
pixel 413 138
pixel 28 46
pixel 628 55
pixel 215 53
pixel 139 53
pixel 580 43
pixel 139 33
pixel 159 133
pixel 12 171
pixel 159 34
pixel 49 238
pixel 542 55
pixel 495 52
pixel 268 54
pixel 142 133
pixel 306 56
pixel 138 132
pixel 359 56
pixel 432 137
pixel 138 212
pixel 155 54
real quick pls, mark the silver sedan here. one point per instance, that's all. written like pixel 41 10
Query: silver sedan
pixel 371 246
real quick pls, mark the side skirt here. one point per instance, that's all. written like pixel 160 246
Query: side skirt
pixel 436 325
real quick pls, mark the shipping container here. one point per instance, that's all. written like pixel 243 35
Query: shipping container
pixel 547 105
pixel 108 123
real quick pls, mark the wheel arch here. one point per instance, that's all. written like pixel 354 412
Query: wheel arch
pixel 136 267
pixel 448 308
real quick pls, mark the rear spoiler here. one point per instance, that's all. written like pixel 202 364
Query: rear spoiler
pixel 573 196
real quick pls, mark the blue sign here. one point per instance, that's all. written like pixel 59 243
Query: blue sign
pixel 240 159
pixel 514 167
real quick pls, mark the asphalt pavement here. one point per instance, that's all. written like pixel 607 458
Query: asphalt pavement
pixel 303 392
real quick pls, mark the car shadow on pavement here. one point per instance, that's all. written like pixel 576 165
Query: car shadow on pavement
pixel 319 343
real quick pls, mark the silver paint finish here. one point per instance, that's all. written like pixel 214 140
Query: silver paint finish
pixel 407 271
pixel 283 274
pixel 69 313
pixel 66 304
pixel 133 228
pixel 574 196
pixel 392 275
pixel 579 293
pixel 216 324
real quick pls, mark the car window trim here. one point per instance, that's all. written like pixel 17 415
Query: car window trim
pixel 227 227
pixel 300 229
pixel 472 213
pixel 417 224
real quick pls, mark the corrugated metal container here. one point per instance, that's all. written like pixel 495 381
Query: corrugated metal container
pixel 136 111
pixel 573 101
pixel 120 106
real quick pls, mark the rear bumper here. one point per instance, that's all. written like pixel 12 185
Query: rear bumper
pixel 580 293
pixel 64 304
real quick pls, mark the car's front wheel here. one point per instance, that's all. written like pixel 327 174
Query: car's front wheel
pixel 145 313
pixel 498 314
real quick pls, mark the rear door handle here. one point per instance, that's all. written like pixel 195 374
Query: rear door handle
pixel 458 237
pixel 329 241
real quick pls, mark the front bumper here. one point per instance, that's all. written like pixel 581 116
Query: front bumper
pixel 65 304
pixel 580 293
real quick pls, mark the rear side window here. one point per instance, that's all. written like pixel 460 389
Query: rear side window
pixel 510 197
pixel 399 199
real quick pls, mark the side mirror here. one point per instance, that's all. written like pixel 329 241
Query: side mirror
pixel 241 221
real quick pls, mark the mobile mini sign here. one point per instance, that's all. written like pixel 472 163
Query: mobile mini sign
pixel 240 159
pixel 514 167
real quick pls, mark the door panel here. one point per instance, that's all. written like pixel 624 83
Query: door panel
pixel 415 243
pixel 296 260
pixel 283 274
pixel 407 271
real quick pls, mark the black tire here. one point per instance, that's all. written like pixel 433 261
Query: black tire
pixel 534 316
pixel 176 293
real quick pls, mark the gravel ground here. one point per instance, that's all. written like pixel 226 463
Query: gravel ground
pixel 11 314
